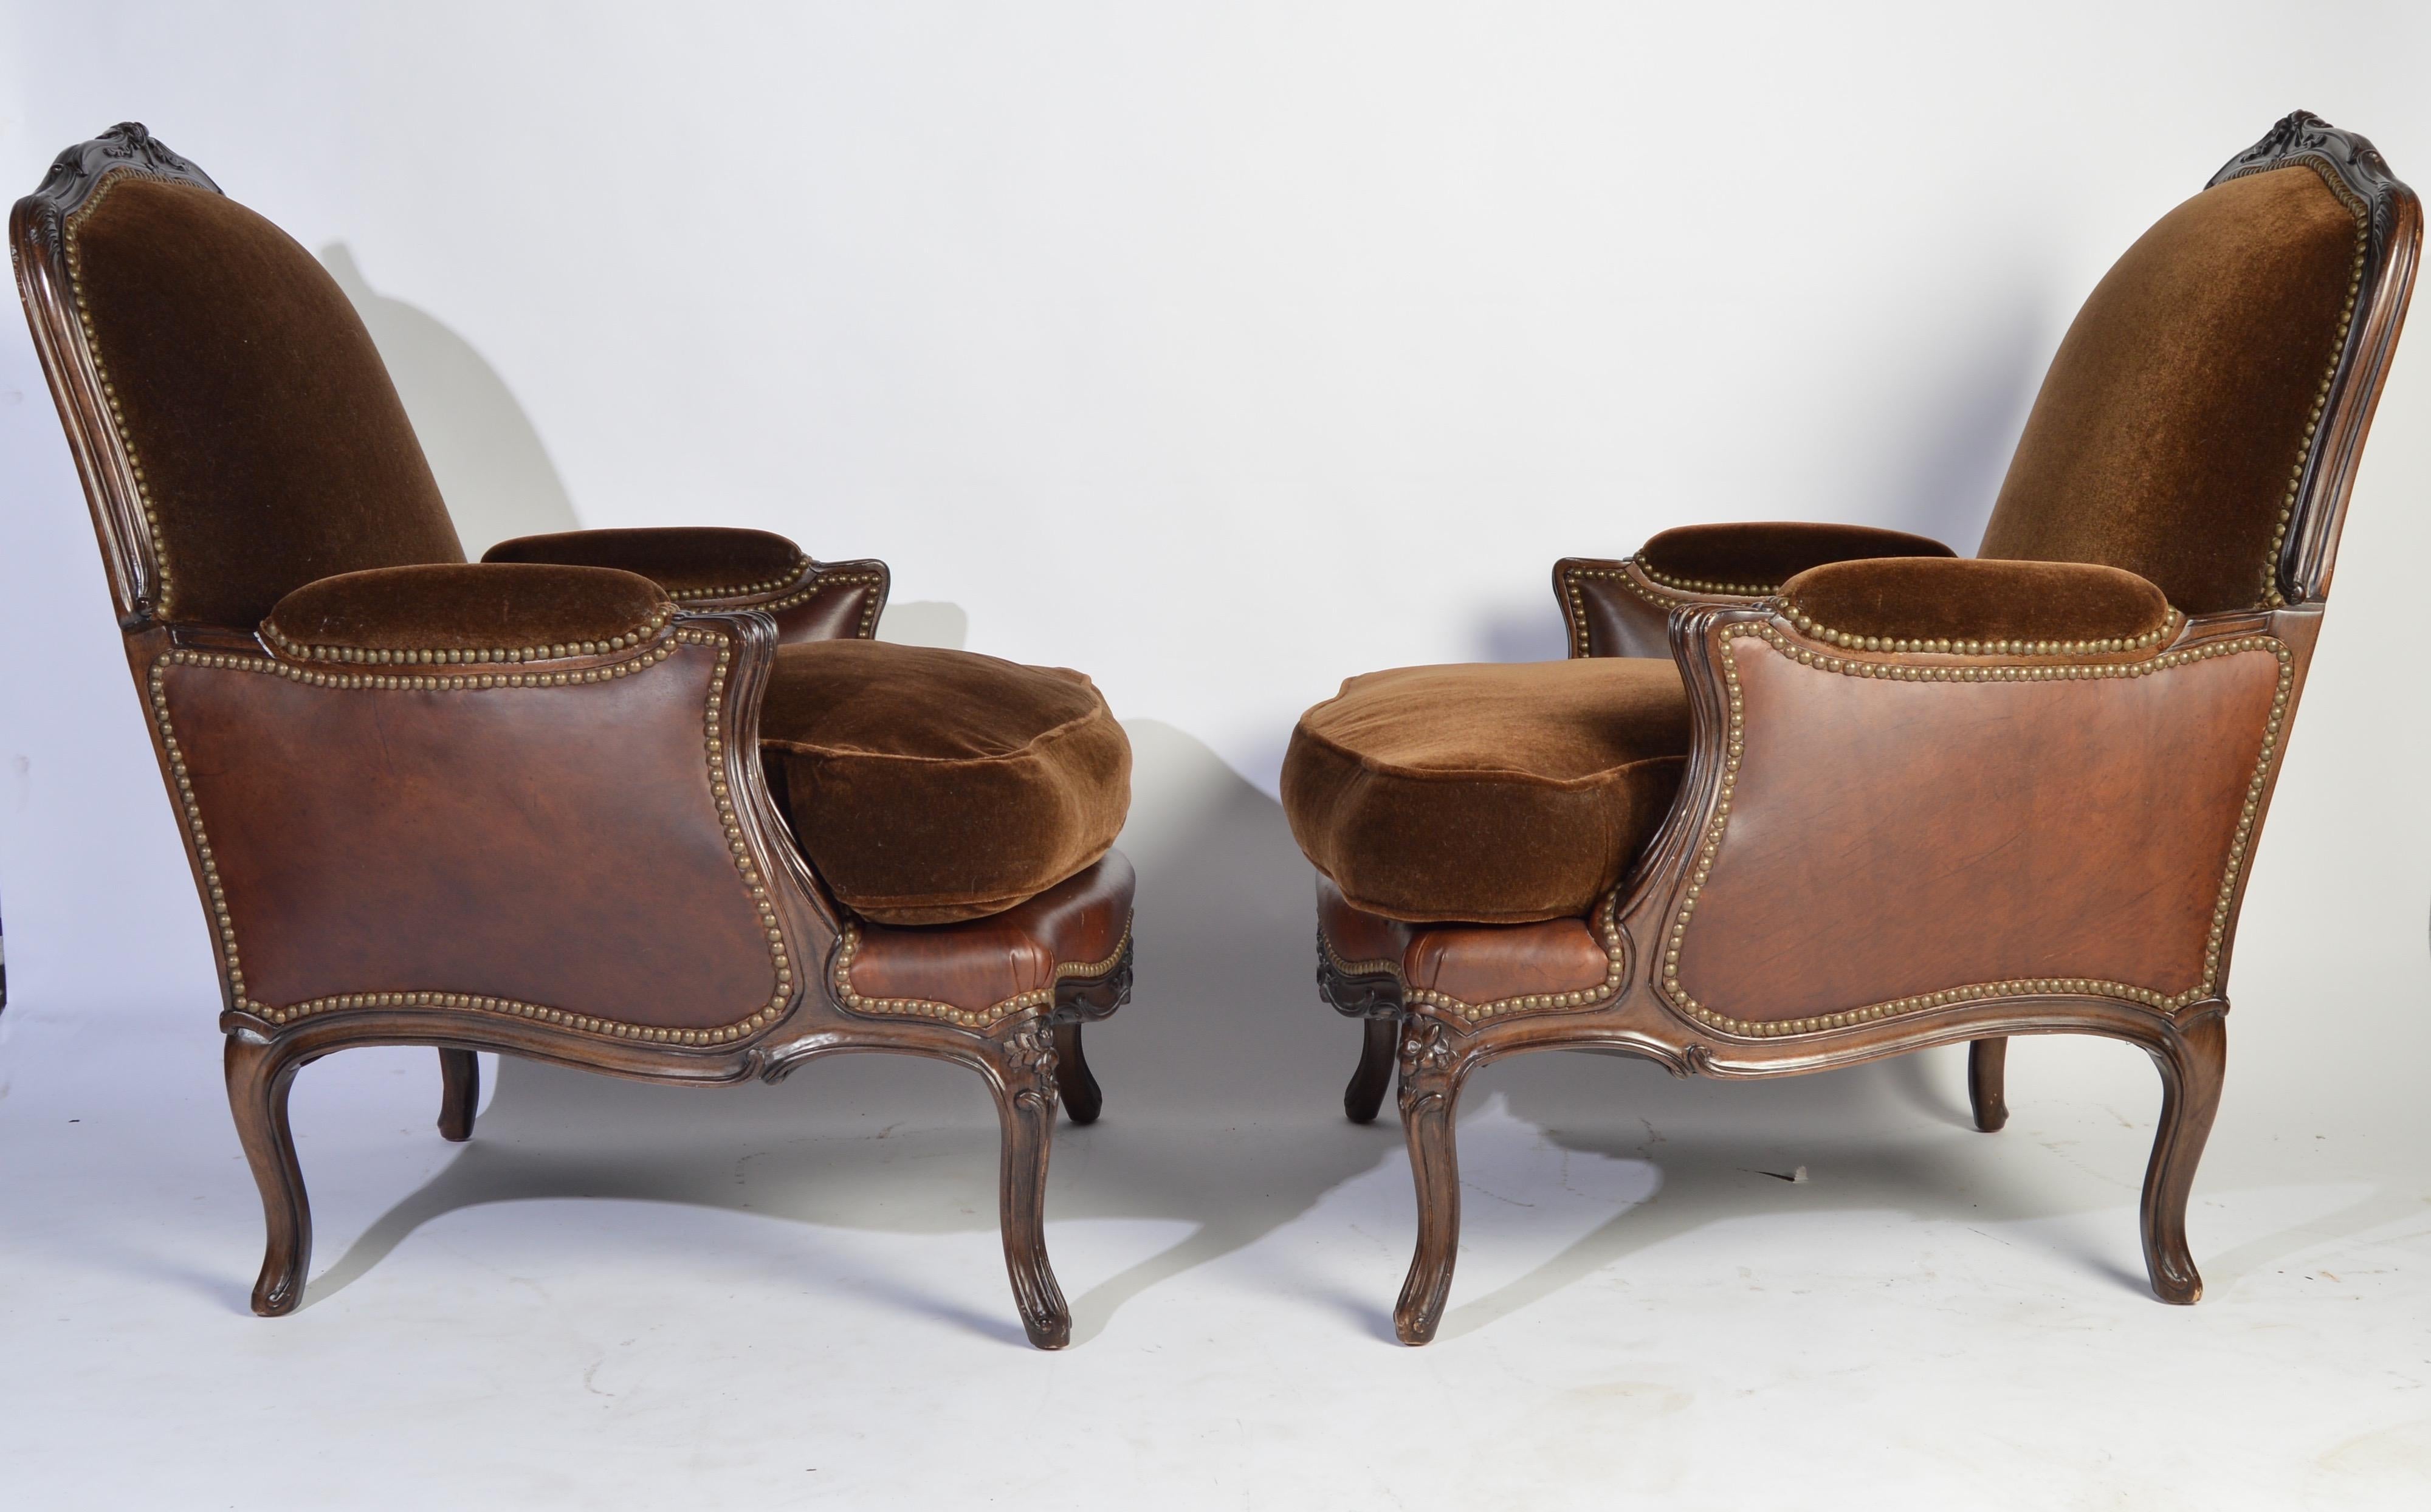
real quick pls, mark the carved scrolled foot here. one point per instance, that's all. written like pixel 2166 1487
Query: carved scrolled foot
pixel 1025 1091
pixel 460 1093
pixel 1429 1090
pixel 1988 1063
pixel 1082 1098
pixel 259 1077
pixel 1365 1093
pixel 2192 1066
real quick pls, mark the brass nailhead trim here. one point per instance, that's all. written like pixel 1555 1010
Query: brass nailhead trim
pixel 1698 585
pixel 800 564
pixel 1813 631
pixel 110 180
pixel 946 1013
pixel 386 655
pixel 1681 1000
pixel 1615 959
pixel 712 745
pixel 2271 597
pixel 1576 604
pixel 835 580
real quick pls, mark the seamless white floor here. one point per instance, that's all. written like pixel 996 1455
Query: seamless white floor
pixel 621 1296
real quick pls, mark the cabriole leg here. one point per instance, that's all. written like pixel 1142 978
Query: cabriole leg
pixel 1082 1098
pixel 2192 1064
pixel 1365 1093
pixel 1988 1063
pixel 258 1078
pixel 1431 1075
pixel 460 1093
pixel 1025 1092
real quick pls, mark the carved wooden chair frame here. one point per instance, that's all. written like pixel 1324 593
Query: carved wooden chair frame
pixel 1715 632
pixel 720 649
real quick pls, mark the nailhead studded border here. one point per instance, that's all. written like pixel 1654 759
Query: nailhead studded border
pixel 801 564
pixel 1575 605
pixel 1698 585
pixel 837 579
pixel 386 655
pixel 1669 976
pixel 994 1012
pixel 2271 597
pixel 2160 634
pixel 712 746
pixel 1616 964
pixel 109 181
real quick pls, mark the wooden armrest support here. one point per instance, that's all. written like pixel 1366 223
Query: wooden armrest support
pixel 1624 608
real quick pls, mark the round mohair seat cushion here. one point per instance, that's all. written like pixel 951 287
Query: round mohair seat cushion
pixel 928 786
pixel 1494 794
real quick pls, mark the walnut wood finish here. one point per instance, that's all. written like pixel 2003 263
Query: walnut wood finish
pixel 1366 1093
pixel 1988 1071
pixel 1834 885
pixel 576 860
pixel 459 1094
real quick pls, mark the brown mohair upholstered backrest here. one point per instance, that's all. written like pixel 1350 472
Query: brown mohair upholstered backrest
pixel 268 444
pixel 2171 433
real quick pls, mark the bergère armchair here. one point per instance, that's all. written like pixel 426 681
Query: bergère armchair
pixel 648 802
pixel 1807 796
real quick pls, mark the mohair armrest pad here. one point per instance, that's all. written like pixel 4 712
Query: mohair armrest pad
pixel 467 612
pixel 1757 558
pixel 689 561
pixel 1926 603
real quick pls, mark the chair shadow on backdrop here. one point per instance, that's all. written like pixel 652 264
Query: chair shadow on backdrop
pixel 492 467
pixel 1227 1041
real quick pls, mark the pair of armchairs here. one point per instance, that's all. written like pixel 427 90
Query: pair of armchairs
pixel 654 803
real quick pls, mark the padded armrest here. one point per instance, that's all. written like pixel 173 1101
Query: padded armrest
pixel 1975 606
pixel 467 613
pixel 1624 608
pixel 1756 559
pixel 689 561
pixel 715 567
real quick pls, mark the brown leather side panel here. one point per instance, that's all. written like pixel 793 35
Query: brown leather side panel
pixel 980 963
pixel 1891 838
pixel 550 846
pixel 848 598
pixel 1606 606
pixel 1357 937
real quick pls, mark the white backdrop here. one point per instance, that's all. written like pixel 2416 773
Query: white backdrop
pixel 1220 351
pixel 1223 351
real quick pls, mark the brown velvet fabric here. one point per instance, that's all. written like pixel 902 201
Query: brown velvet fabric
pixel 694 561
pixel 1922 598
pixel 469 607
pixel 1497 794
pixel 1763 555
pixel 929 786
pixel 2165 434
pixel 272 447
